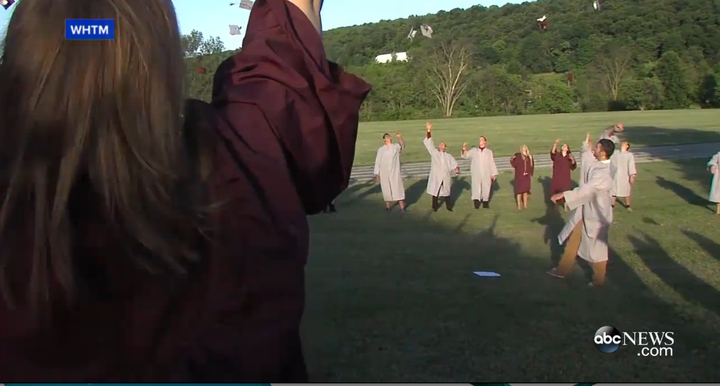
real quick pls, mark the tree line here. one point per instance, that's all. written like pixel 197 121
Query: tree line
pixel 631 55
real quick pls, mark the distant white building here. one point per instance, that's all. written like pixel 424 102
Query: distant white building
pixel 386 58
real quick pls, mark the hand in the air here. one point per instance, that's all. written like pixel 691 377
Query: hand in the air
pixel 557 141
pixel 428 126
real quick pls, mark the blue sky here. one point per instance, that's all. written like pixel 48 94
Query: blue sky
pixel 212 17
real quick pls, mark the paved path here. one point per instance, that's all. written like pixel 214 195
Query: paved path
pixel 361 174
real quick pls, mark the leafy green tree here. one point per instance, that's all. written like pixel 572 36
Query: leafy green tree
pixel 672 75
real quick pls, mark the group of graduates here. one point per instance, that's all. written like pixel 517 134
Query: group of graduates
pixel 606 174
pixel 484 172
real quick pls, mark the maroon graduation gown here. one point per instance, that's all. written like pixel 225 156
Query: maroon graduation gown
pixel 287 121
pixel 561 172
pixel 524 170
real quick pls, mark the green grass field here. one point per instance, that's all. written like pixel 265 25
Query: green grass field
pixel 506 134
pixel 391 296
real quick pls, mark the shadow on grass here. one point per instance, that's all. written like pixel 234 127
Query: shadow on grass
pixel 393 299
pixel 709 246
pixel 682 191
pixel 674 274
pixel 553 222
pixel 414 192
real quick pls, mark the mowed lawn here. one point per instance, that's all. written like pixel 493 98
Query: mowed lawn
pixel 391 296
pixel 506 134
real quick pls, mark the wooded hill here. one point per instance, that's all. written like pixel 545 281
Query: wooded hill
pixel 632 54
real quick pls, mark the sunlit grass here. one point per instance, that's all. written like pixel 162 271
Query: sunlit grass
pixel 391 296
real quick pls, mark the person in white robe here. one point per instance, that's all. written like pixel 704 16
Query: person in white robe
pixel 611 133
pixel 714 167
pixel 623 163
pixel 483 172
pixel 442 167
pixel 388 173
pixel 586 232
pixel 587 157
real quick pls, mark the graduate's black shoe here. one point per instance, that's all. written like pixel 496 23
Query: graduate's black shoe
pixel 476 204
pixel 486 205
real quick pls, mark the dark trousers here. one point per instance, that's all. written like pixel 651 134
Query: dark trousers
pixel 436 202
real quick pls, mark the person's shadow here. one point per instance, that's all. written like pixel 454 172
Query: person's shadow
pixel 414 192
pixel 675 275
pixel 683 192
pixel 553 222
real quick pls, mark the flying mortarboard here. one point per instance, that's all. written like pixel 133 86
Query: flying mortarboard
pixel 244 4
pixel 235 29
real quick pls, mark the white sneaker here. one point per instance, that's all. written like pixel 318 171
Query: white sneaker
pixel 554 273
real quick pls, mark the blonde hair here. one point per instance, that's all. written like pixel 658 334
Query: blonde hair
pixel 523 148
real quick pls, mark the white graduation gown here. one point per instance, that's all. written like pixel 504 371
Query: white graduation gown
pixel 387 166
pixel 715 184
pixel 482 169
pixel 623 163
pixel 442 166
pixel 586 160
pixel 591 205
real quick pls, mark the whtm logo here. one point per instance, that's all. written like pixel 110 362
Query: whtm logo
pixel 89 29
pixel 608 339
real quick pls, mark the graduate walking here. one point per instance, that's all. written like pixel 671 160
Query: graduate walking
pixel 586 232
pixel 442 167
pixel 714 167
pixel 623 163
pixel 483 172
pixel 387 171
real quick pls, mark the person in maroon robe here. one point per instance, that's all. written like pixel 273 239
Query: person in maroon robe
pixel 145 239
pixel 524 166
pixel 563 163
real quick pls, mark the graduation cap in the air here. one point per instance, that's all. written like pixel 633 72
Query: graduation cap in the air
pixel 426 30
pixel 596 5
pixel 244 4
pixel 542 23
pixel 235 29
pixel 412 34
pixel 7 3
pixel 202 70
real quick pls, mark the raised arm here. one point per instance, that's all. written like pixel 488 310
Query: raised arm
pixel 465 153
pixel 586 154
pixel 287 106
pixel 554 149
pixel 401 141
